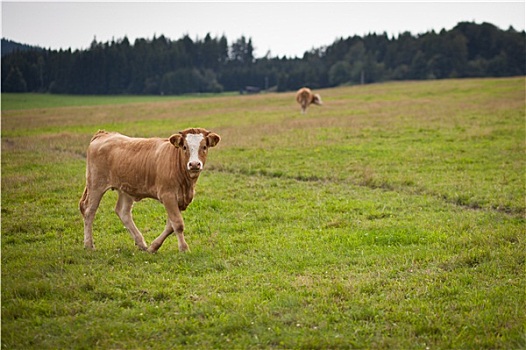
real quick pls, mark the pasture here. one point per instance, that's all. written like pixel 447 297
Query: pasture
pixel 392 217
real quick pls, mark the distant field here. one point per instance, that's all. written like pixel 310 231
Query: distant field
pixel 33 101
pixel 392 217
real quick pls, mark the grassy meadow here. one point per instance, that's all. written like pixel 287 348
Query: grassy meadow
pixel 392 217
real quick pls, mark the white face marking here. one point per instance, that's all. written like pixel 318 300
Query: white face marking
pixel 193 141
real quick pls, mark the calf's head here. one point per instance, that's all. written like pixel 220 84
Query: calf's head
pixel 316 99
pixel 194 143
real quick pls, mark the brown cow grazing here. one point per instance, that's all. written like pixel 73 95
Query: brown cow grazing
pixel 163 169
pixel 305 97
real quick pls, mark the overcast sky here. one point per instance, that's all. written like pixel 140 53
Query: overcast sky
pixel 284 28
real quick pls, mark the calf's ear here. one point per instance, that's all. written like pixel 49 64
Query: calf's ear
pixel 177 140
pixel 213 139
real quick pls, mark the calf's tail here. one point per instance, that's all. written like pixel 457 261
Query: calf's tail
pixel 82 203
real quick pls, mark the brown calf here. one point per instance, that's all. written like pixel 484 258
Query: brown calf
pixel 305 97
pixel 163 169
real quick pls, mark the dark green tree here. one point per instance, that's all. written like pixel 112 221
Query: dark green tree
pixel 14 81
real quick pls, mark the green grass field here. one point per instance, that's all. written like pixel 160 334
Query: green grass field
pixel 392 217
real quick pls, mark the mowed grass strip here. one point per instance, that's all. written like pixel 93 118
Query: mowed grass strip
pixel 391 217
pixel 13 101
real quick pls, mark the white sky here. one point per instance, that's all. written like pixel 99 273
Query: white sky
pixel 284 28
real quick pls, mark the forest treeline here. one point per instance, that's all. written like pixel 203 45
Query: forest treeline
pixel 164 66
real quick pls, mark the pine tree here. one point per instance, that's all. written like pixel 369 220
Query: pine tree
pixel 14 81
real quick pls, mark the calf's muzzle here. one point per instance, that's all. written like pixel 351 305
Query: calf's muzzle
pixel 195 165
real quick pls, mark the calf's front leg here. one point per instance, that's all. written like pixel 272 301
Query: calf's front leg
pixel 158 242
pixel 175 224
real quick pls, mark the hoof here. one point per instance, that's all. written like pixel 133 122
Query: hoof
pixel 142 247
pixel 184 248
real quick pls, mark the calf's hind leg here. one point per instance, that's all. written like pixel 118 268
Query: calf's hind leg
pixel 88 205
pixel 123 210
